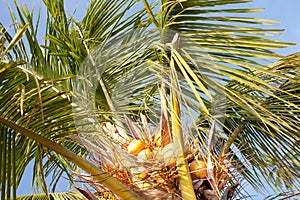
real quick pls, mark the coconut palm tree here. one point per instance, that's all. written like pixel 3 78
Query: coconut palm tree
pixel 167 99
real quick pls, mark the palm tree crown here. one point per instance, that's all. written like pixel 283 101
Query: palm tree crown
pixel 176 99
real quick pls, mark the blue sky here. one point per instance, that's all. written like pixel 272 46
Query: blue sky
pixel 287 12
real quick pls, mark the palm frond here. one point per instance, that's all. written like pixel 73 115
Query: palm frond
pixel 227 57
pixel 25 103
pixel 273 130
pixel 70 195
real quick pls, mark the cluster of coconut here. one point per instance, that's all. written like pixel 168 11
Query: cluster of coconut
pixel 165 155
pixel 150 162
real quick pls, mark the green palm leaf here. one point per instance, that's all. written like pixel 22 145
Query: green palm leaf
pixel 70 195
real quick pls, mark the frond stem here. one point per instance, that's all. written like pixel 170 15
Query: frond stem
pixel 232 137
pixel 106 179
pixel 104 89
pixel 149 11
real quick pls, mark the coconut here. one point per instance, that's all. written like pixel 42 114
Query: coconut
pixel 135 146
pixel 143 176
pixel 144 155
pixel 143 185
pixel 169 154
pixel 198 169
